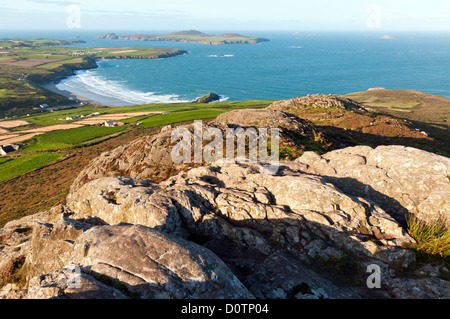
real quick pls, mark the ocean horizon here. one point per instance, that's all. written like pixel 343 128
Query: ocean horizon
pixel 291 64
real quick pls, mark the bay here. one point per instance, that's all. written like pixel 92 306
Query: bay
pixel 291 64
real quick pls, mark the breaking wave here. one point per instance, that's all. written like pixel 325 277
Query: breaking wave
pixel 221 55
pixel 114 93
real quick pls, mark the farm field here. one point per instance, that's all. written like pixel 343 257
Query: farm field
pixel 165 119
pixel 79 134
pixel 26 163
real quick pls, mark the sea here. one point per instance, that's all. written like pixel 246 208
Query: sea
pixel 291 64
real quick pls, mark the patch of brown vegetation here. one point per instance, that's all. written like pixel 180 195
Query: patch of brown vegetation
pixel 12 272
pixel 8 136
pixel 19 138
pixel 30 62
pixel 52 128
pixel 12 124
pixel 353 126
pixel 124 51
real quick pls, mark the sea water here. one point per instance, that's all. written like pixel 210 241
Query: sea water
pixel 291 64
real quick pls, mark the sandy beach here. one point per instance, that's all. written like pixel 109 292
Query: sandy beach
pixel 51 86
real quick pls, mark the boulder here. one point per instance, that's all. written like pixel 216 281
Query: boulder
pixel 402 180
pixel 320 101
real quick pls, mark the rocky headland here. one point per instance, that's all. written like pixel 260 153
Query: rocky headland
pixel 208 98
pixel 137 225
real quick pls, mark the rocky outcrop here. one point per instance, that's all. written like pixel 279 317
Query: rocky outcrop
pixel 108 36
pixel 150 157
pixel 319 101
pixel 402 180
pixel 208 98
pixel 231 230
pixel 147 264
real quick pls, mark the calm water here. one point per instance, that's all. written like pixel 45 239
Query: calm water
pixel 290 65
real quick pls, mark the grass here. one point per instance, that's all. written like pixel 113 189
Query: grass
pixel 78 135
pixel 52 118
pixel 26 163
pixel 4 159
pixel 165 119
pixel 433 239
pixel 5 93
pixel 42 146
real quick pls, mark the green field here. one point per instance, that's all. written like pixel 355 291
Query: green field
pixel 165 119
pixel 43 146
pixel 25 163
pixel 79 134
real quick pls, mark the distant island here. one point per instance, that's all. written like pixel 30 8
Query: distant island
pixel 189 36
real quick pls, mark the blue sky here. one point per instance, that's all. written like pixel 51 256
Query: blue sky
pixel 225 14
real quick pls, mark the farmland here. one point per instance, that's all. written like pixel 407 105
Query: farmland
pixel 78 135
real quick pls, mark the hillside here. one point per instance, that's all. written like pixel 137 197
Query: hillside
pixel 427 111
pixel 226 230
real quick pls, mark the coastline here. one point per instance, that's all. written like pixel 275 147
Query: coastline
pixel 81 100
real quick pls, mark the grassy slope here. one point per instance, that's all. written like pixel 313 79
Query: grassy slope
pixel 26 163
pixel 47 118
pixel 418 106
pixel 78 135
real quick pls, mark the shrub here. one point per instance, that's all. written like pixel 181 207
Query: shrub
pixel 433 239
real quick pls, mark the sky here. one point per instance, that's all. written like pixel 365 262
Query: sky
pixel 229 15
